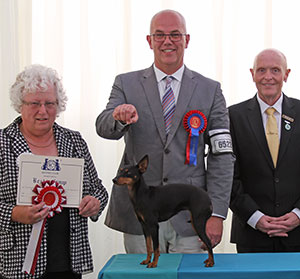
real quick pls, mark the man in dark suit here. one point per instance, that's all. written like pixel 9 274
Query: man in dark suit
pixel 266 189
pixel 135 111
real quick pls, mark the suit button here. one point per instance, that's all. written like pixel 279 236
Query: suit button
pixel 276 179
pixel 167 151
pixel 277 204
pixel 165 179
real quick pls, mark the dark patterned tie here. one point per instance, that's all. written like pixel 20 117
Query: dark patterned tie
pixel 168 104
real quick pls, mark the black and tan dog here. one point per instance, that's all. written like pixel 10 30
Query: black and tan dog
pixel 157 204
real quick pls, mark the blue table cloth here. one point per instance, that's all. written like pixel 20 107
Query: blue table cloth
pixel 242 266
pixel 191 266
pixel 128 266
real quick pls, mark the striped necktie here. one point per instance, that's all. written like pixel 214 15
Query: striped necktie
pixel 168 104
pixel 272 134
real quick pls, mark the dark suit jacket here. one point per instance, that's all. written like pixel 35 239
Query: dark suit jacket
pixel 257 185
pixel 167 154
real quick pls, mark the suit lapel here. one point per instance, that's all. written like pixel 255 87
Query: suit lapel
pixel 19 144
pixel 286 133
pixel 149 83
pixel 256 125
pixel 152 96
pixel 64 143
pixel 185 94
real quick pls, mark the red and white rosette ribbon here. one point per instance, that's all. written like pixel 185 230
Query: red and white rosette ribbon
pixel 49 192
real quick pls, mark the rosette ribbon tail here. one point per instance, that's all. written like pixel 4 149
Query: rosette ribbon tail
pixel 33 247
pixel 187 151
pixel 194 146
pixel 195 123
pixel 49 192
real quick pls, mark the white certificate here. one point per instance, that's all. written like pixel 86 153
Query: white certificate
pixel 33 169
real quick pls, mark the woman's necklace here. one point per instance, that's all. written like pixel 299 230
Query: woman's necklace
pixel 33 144
pixel 40 146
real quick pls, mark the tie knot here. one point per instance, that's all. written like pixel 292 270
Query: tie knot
pixel 270 111
pixel 168 80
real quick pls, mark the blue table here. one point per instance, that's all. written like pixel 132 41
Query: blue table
pixel 190 266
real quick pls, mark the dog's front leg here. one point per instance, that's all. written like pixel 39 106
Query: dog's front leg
pixel 155 259
pixel 154 235
pixel 149 250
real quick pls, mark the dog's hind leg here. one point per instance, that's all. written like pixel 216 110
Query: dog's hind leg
pixel 199 224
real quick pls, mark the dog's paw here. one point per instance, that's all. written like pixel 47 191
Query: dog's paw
pixel 151 265
pixel 145 262
pixel 209 263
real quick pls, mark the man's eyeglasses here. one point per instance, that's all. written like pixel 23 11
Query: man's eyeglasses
pixel 37 105
pixel 174 37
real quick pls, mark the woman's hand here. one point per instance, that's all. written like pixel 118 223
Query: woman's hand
pixel 29 214
pixel 89 206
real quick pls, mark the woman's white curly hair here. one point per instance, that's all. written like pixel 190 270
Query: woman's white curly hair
pixel 37 77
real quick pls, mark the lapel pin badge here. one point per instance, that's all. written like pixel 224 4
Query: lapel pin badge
pixel 287 126
pixel 288 120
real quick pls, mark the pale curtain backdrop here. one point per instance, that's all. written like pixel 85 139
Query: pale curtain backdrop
pixel 89 42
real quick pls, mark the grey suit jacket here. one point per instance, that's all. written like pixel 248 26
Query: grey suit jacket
pixel 167 154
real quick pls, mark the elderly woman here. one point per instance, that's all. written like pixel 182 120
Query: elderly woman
pixel 39 97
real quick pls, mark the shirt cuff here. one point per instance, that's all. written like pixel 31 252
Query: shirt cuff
pixel 120 126
pixel 252 221
pixel 297 212
pixel 218 215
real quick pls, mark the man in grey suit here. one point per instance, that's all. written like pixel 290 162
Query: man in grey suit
pixel 176 154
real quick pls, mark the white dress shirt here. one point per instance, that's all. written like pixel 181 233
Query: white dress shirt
pixel 175 83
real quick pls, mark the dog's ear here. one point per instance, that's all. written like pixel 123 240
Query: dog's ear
pixel 126 161
pixel 143 164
